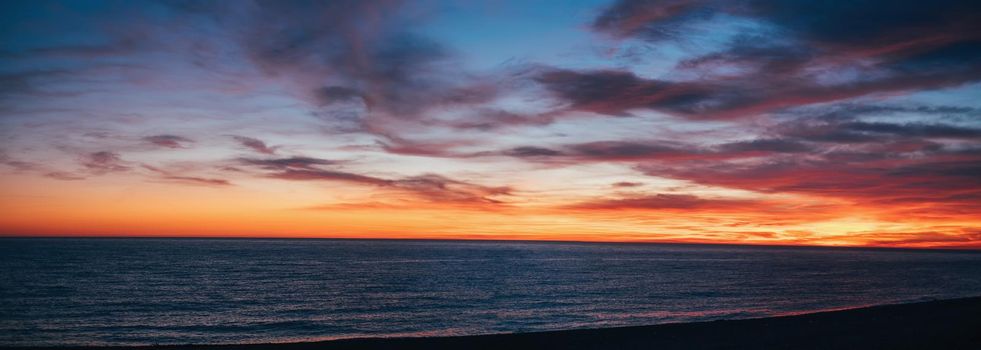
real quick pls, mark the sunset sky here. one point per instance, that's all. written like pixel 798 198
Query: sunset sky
pixel 757 122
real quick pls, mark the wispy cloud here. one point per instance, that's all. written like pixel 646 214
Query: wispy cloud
pixel 165 175
pixel 290 163
pixel 103 162
pixel 428 187
pixel 60 175
pixel 168 141
pixel 255 144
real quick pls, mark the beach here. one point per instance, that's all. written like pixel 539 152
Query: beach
pixel 945 324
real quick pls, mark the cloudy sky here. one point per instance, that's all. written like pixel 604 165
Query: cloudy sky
pixel 761 122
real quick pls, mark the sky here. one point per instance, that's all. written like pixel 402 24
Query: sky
pixel 853 123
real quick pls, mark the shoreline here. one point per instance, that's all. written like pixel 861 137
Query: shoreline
pixel 942 324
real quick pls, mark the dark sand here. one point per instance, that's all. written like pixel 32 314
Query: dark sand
pixel 948 324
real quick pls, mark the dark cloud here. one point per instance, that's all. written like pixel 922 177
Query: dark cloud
pixel 936 182
pixel 844 130
pixel 907 46
pixel 365 51
pixel 487 119
pixel 198 180
pixel 169 176
pixel 168 141
pixel 851 23
pixel 968 171
pixel 625 150
pixel 843 24
pixel 666 202
pixel 627 184
pixel 103 162
pixel 64 176
pixel 962 238
pixel 842 112
pixel 290 163
pixel 326 175
pixel 614 151
pixel 766 146
pixel 29 167
pixel 339 94
pixel 914 130
pixel 29 82
pixel 398 145
pixel 648 19
pixel 750 54
pixel 16 164
pixel 617 92
pixel 430 187
pixel 608 92
pixel 531 151
pixel 441 189
pixel 255 144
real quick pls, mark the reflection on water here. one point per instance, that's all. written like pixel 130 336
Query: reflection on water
pixel 165 291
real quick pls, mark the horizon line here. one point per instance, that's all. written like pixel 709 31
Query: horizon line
pixel 488 240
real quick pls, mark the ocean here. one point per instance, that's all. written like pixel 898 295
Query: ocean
pixel 62 291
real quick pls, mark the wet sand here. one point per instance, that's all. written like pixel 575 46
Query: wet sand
pixel 946 324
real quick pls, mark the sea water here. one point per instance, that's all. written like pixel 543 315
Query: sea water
pixel 217 291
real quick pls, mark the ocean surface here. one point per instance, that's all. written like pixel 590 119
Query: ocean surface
pixel 180 291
